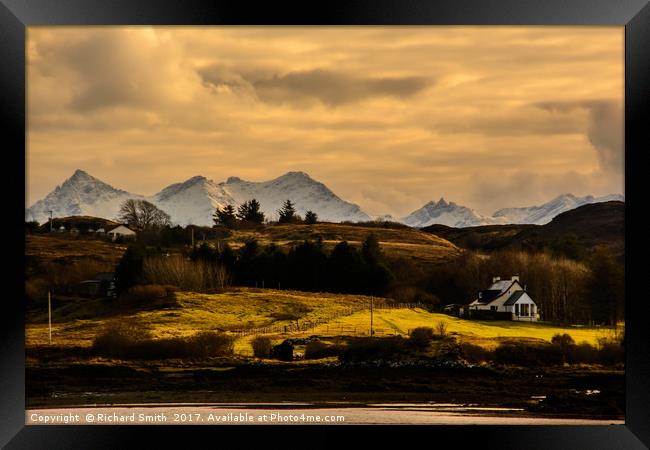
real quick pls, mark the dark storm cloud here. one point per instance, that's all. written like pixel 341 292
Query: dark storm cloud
pixel 604 129
pixel 329 87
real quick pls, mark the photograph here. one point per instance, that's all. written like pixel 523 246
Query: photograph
pixel 332 225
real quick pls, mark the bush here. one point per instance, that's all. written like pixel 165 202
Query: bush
pixel 528 355
pixel 475 353
pixel 283 352
pixel 611 353
pixel 583 353
pixel 563 340
pixel 420 337
pixel 129 341
pixel 118 338
pixel 261 347
pixel 146 293
pixel 441 329
pixel 373 349
pixel 318 349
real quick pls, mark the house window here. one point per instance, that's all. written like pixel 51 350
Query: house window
pixel 517 309
pixel 493 308
pixel 525 310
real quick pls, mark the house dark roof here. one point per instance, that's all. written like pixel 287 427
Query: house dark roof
pixel 513 298
pixel 487 295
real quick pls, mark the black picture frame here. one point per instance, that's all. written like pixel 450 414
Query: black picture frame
pixel 634 15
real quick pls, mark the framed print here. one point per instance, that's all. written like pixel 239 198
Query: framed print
pixel 288 219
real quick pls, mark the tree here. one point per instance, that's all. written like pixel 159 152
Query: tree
pixel 129 271
pixel 606 288
pixel 250 212
pixel 225 216
pixel 287 213
pixel 143 214
pixel 311 217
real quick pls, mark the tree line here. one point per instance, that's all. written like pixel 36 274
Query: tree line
pixel 307 266
pixel 249 214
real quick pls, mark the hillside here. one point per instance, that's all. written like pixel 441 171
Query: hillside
pixel 45 249
pixel 401 242
pixel 82 223
pixel 77 322
pixel 576 232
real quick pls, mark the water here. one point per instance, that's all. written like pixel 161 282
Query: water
pixel 296 413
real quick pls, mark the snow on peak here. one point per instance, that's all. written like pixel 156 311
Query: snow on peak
pixel 194 200
pixel 445 213
pixel 81 194
pixel 543 214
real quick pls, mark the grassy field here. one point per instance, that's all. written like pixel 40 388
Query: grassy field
pixel 484 333
pixel 76 322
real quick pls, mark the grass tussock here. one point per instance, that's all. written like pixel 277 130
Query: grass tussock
pixel 129 341
pixel 261 347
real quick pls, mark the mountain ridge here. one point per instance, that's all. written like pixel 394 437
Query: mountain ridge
pixel 194 200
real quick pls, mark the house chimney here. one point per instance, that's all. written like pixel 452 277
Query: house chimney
pixel 515 278
pixel 495 279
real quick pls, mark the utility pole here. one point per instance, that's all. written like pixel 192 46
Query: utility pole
pixel 49 314
pixel 372 332
pixel 192 237
pixel 50 221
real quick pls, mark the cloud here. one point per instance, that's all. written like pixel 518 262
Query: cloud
pixel 604 129
pixel 329 87
pixel 389 118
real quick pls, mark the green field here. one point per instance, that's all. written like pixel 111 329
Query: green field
pixel 486 333
pixel 76 322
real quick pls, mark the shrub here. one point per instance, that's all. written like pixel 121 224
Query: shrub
pixel 283 352
pixel 118 338
pixel 188 275
pixel 146 293
pixel 441 329
pixel 474 353
pixel 261 347
pixel 611 353
pixel 318 349
pixel 373 349
pixel 528 355
pixel 129 341
pixel 421 336
pixel 582 353
pixel 563 340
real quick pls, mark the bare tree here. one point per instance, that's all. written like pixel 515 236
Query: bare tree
pixel 143 214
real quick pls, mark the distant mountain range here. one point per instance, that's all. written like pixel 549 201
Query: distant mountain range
pixel 194 201
pixel 453 215
pixel 577 232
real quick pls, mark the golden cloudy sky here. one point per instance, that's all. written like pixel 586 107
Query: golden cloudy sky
pixel 387 117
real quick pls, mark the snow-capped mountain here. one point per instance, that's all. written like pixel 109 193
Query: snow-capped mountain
pixel 80 195
pixel 194 201
pixel 543 214
pixel 448 213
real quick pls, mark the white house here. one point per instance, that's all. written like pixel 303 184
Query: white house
pixel 121 231
pixel 506 296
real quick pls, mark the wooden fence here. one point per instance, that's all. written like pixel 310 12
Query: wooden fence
pixel 305 325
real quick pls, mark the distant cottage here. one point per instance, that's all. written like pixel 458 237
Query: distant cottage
pixel 504 299
pixel 121 231
pixel 102 285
